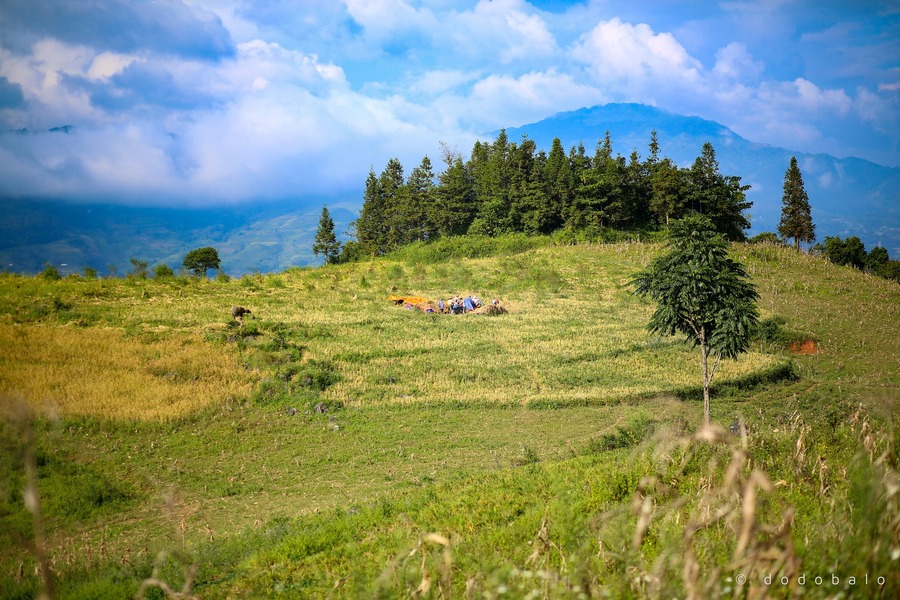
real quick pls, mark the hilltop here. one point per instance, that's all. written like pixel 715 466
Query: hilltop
pixel 551 450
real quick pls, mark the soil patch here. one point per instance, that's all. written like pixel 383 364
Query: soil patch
pixel 804 347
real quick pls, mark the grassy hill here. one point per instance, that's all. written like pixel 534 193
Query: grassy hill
pixel 553 451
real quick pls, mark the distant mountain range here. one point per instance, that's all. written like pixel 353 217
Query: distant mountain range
pixel 249 239
pixel 848 196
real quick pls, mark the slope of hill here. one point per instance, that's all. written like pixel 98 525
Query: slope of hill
pixel 554 450
pixel 849 196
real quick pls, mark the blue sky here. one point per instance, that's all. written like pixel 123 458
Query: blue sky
pixel 224 101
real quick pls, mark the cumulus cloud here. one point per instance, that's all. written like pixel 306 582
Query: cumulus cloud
pixel 634 61
pixel 734 63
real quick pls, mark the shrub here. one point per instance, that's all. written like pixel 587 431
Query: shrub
pixel 50 272
pixel 766 237
pixel 163 271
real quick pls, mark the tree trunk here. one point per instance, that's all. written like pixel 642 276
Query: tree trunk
pixel 704 359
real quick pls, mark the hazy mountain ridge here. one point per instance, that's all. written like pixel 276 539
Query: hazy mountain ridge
pixel 849 196
pixel 249 238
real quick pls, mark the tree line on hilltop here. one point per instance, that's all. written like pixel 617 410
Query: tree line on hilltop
pixel 509 187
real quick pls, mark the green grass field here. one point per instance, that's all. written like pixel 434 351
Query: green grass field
pixel 550 452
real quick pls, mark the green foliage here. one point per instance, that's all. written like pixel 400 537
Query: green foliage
pixel 90 273
pixel 200 260
pixel 325 242
pixel 508 187
pixel 138 269
pixel 766 237
pixel 796 216
pixel 163 271
pixel 637 428
pixel 50 272
pixel 701 293
pixel 850 252
pixel 470 246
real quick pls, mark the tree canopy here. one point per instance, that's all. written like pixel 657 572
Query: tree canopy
pixel 511 187
pixel 200 260
pixel 701 293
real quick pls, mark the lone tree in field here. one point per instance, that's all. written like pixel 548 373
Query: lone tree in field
pixel 701 293
pixel 200 260
pixel 326 242
pixel 796 218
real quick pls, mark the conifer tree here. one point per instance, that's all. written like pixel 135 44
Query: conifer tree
pixel 326 242
pixel 422 219
pixel 796 218
pixel 370 224
pixel 560 187
pixel 722 198
pixel 456 197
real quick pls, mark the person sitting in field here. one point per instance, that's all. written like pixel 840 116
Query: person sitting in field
pixel 468 305
pixel 456 308
pixel 477 301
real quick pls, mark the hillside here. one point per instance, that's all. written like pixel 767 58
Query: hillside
pixel 553 450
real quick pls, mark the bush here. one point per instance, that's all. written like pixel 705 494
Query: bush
pixel 50 272
pixel 163 271
pixel 766 237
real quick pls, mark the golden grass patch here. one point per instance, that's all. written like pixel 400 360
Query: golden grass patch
pixel 104 373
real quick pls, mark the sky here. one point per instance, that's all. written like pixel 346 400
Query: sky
pixel 206 102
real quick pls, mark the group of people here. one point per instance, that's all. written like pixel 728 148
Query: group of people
pixel 459 306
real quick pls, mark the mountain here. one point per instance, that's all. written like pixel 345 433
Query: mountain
pixel 73 236
pixel 849 196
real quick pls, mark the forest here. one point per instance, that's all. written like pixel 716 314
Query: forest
pixel 508 187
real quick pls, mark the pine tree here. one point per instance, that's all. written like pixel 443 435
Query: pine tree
pixel 796 219
pixel 325 242
pixel 422 219
pixel 456 197
pixel 720 197
pixel 369 226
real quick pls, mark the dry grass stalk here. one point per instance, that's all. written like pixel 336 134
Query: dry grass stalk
pixel 22 421
pixel 155 581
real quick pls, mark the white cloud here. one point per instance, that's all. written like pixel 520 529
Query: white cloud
pixel 803 96
pixel 637 63
pixel 106 64
pixel 514 101
pixel 734 63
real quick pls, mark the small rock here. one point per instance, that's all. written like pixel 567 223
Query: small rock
pixel 320 408
pixel 291 411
